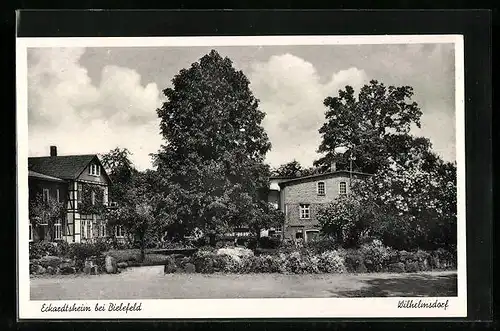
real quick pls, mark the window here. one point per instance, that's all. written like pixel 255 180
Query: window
pixel 118 231
pixel 58 195
pixel 343 188
pixel 79 193
pixel 102 229
pixel 94 170
pixel 321 188
pixel 30 232
pixel 86 229
pixel 299 234
pixel 279 229
pixel 57 231
pixel 83 228
pixel 305 211
pixel 89 229
pixel 46 195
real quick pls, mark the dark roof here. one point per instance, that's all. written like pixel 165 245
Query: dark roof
pixel 65 167
pixel 325 174
pixel 44 177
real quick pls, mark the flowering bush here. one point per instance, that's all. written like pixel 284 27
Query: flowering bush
pixel 353 259
pixel 235 252
pixel 375 255
pixel 331 262
pixel 372 257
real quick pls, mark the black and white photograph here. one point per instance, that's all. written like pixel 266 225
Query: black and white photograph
pixel 290 176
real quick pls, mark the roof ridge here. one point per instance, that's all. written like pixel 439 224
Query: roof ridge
pixel 33 157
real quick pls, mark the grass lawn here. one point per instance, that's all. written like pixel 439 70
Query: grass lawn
pixel 151 283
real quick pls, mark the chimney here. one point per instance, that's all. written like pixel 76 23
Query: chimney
pixel 53 150
pixel 333 166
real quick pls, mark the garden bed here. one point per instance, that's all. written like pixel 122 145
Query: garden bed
pixel 369 258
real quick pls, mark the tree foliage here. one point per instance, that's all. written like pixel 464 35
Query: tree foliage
pixel 47 212
pixel 348 220
pixel 137 211
pixel 374 126
pixel 120 170
pixel 417 205
pixel 293 169
pixel 411 197
pixel 213 159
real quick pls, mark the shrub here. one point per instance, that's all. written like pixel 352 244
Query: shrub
pixel 269 242
pixel 299 263
pixel 42 248
pixel 82 251
pixel 235 251
pixel 322 245
pixel 412 266
pixel 352 259
pixel 270 263
pixel 251 243
pixel 204 261
pixel 443 259
pixel 63 248
pixel 331 262
pixel 375 256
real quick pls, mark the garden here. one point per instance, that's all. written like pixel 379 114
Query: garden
pixel 269 256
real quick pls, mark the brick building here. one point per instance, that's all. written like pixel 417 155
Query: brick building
pixel 300 198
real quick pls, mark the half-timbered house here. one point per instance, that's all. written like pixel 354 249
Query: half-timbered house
pixel 81 184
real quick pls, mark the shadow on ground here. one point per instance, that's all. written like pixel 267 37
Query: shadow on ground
pixel 408 286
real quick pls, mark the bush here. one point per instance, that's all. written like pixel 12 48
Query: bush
pixel 63 248
pixel 269 242
pixel 322 245
pixel 353 259
pixel 375 256
pixel 42 248
pixel 443 259
pixel 371 257
pixel 331 262
pixel 204 261
pixel 82 251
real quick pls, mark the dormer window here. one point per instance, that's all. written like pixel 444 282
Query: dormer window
pixel 94 170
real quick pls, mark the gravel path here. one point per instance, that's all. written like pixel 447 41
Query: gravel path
pixel 151 283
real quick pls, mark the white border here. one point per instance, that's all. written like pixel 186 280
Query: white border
pixel 237 308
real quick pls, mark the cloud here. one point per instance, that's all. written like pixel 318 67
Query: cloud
pixel 66 109
pixel 291 94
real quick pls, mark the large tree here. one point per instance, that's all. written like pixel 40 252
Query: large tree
pixel 293 169
pixel 374 126
pixel 213 158
pixel 416 204
pixel 120 170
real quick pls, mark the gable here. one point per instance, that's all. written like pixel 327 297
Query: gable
pixel 101 177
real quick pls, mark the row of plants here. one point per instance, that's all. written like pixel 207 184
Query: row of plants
pixel 373 257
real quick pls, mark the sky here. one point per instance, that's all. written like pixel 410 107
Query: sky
pixel 91 100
